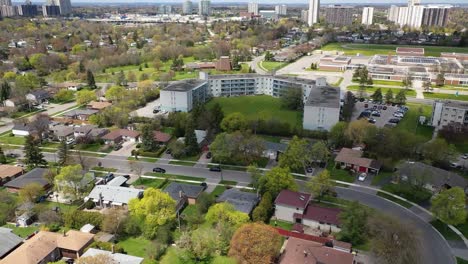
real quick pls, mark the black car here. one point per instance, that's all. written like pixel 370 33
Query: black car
pixel 309 169
pixel 109 177
pixel 155 111
pixel 372 120
pixel 117 147
pixel 377 114
pixel 12 155
pixel 204 185
pixel 217 169
pixel 208 155
pixel 168 151
pixel 160 170
pixel 394 120
pixel 384 108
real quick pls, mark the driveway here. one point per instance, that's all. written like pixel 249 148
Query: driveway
pixel 147 110
pixel 125 151
pixel 203 161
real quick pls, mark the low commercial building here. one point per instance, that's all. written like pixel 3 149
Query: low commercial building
pixel 352 159
pixel 456 79
pixel 47 247
pixel 334 63
pixel 405 51
pixel 447 112
pixel 34 176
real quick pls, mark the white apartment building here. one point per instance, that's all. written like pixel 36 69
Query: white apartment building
pixel 367 16
pixel 314 7
pixel 187 7
pixel 415 15
pixel 321 102
pixel 204 8
pixel 253 8
pixel 281 10
pixel 446 112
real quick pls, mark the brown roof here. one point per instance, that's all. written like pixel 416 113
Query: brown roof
pixel 352 156
pixel 98 105
pixel 223 64
pixel 322 214
pixel 9 171
pixel 303 251
pixel 161 137
pixel 113 135
pixel 43 243
pixel 293 199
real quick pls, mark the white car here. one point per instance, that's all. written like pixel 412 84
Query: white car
pixel 398 115
pixel 362 177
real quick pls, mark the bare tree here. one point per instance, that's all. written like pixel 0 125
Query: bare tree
pixel 136 167
pixel 85 161
pixel 40 124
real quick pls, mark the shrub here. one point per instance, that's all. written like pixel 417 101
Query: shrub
pixel 106 246
pixel 76 219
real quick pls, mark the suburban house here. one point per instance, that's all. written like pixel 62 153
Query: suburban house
pixel 34 176
pixel 14 102
pixel 432 178
pixel 288 203
pixel 110 196
pixel 38 96
pixel 9 172
pixel 72 86
pixel 295 207
pixel 115 257
pixel 223 64
pixel 119 135
pixel 183 193
pixel 99 106
pixel 90 131
pixel 352 159
pixel 47 247
pixel 161 138
pixel 59 132
pixel 22 129
pixel 299 250
pixel 201 137
pixel 80 114
pixel 242 201
pixel 8 241
pixel 274 150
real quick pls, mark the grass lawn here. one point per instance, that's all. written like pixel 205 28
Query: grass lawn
pixel 281 224
pixel 218 191
pixel 189 210
pixel 223 260
pixel 461 261
pixel 22 231
pixel 363 247
pixel 373 49
pixel 395 200
pixel 104 169
pixel 451 96
pixel 382 82
pixel 337 83
pixel 171 257
pixel 338 174
pixel 155 183
pixel 182 163
pixel 225 182
pixel 463 228
pixel 50 145
pixel 410 121
pixel 12 140
pixel 258 107
pixel 176 177
pixel 135 246
pixel 371 89
pixel 272 65
pixel 380 177
pixel 271 138
pixel 145 159
pixel 445 230
pixel 96 147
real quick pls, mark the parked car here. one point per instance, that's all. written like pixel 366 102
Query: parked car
pixel 309 169
pixel 376 113
pixel 384 107
pixel 204 185
pixel 465 156
pixel 12 155
pixel 70 141
pixel 398 115
pixel 366 105
pixel 155 111
pixel 109 177
pixel 217 169
pixel 168 151
pixel 159 170
pixel 208 155
pixel 372 120
pixel 394 120
pixel 118 146
pixel 362 177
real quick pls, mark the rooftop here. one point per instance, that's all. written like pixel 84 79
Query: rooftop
pixel 352 156
pixel 183 86
pixel 9 171
pixel 293 199
pixel 324 96
pixel 34 176
pixel 174 189
pixel 435 176
pixel 8 241
pixel 322 214
pixel 114 194
pixel 456 104
pixel 121 132
pixel 242 201
pixel 116 257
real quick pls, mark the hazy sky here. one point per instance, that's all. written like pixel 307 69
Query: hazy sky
pixel 283 1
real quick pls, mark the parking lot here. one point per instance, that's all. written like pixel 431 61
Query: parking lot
pixel 386 112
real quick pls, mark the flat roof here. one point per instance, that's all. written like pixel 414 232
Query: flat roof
pixel 183 86
pixel 324 96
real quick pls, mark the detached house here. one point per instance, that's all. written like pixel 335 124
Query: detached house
pixel 119 135
pixel 38 96
pixel 161 138
pixel 352 159
pixel 99 106
pixel 183 193
pixel 61 132
pixel 80 114
pixel 22 129
pixel 288 203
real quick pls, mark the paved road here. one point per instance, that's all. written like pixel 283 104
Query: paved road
pixel 435 250
pixel 254 65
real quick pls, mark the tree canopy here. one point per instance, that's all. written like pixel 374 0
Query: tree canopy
pixel 277 179
pixel 449 206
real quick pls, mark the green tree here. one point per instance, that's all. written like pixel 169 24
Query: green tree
pixel 32 153
pixel 293 99
pixel 147 138
pixel 73 180
pixel 120 79
pixel 85 96
pixel 319 151
pixel 154 210
pixel 255 175
pixel 277 179
pixel 297 155
pixel 263 211
pixel 115 93
pixel 269 56
pixel 320 184
pixel 225 213
pixel 348 106
pixel 191 143
pixel 440 79
pixel 7 206
pixel 377 95
pixel 337 134
pixel 90 79
pixel 31 192
pixel 63 153
pixel 3 159
pixel 449 206
pixel 233 122
pixel 64 95
pixel 354 224
pixel 5 91
pixel 81 67
pixel 389 96
pixel 438 151
pixel 357 131
pixel 216 117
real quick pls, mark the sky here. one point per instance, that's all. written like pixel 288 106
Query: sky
pixel 280 1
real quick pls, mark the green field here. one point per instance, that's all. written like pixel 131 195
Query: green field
pixel 136 247
pixel 281 224
pixel 7 139
pixel 272 65
pixel 445 230
pixel 258 107
pixel 373 49
pixel 382 82
pixel 410 121
pixel 371 89
pixel 22 231
pixel 446 96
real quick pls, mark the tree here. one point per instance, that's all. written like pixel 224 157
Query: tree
pixel 157 64
pixel 154 210
pixel 136 167
pixel 297 155
pixel 5 91
pixel 120 79
pixel 449 206
pixel 427 86
pixel 147 138
pixel 377 95
pixel 262 212
pixel 90 79
pixel 389 96
pixel 319 152
pixel 64 95
pixel 354 223
pixel 73 180
pixel 191 144
pixel 293 99
pixel 277 179
pixel 440 79
pixel 393 242
pixel 255 243
pixel 31 192
pixel 320 184
pixel 337 134
pixel 233 122
pixel 85 96
pixel 348 106
pixel 216 117
pixel 40 124
pixel 438 151
pixel 225 213
pixel 370 81
pixel 255 175
pixel 63 153
pixel 407 82
pixel 81 67
pixel 7 206
pixel 115 93
pixel 357 130
pixel 3 159
pixel 113 221
pixel 32 153
pixel 204 201
pixel 269 56
pixel 237 148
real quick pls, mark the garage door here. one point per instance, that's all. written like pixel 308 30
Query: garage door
pixel 362 169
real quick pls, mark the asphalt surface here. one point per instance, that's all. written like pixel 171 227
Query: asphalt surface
pixel 434 249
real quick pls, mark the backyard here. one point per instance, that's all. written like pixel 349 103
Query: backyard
pixel 373 49
pixel 258 107
pixel 410 121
